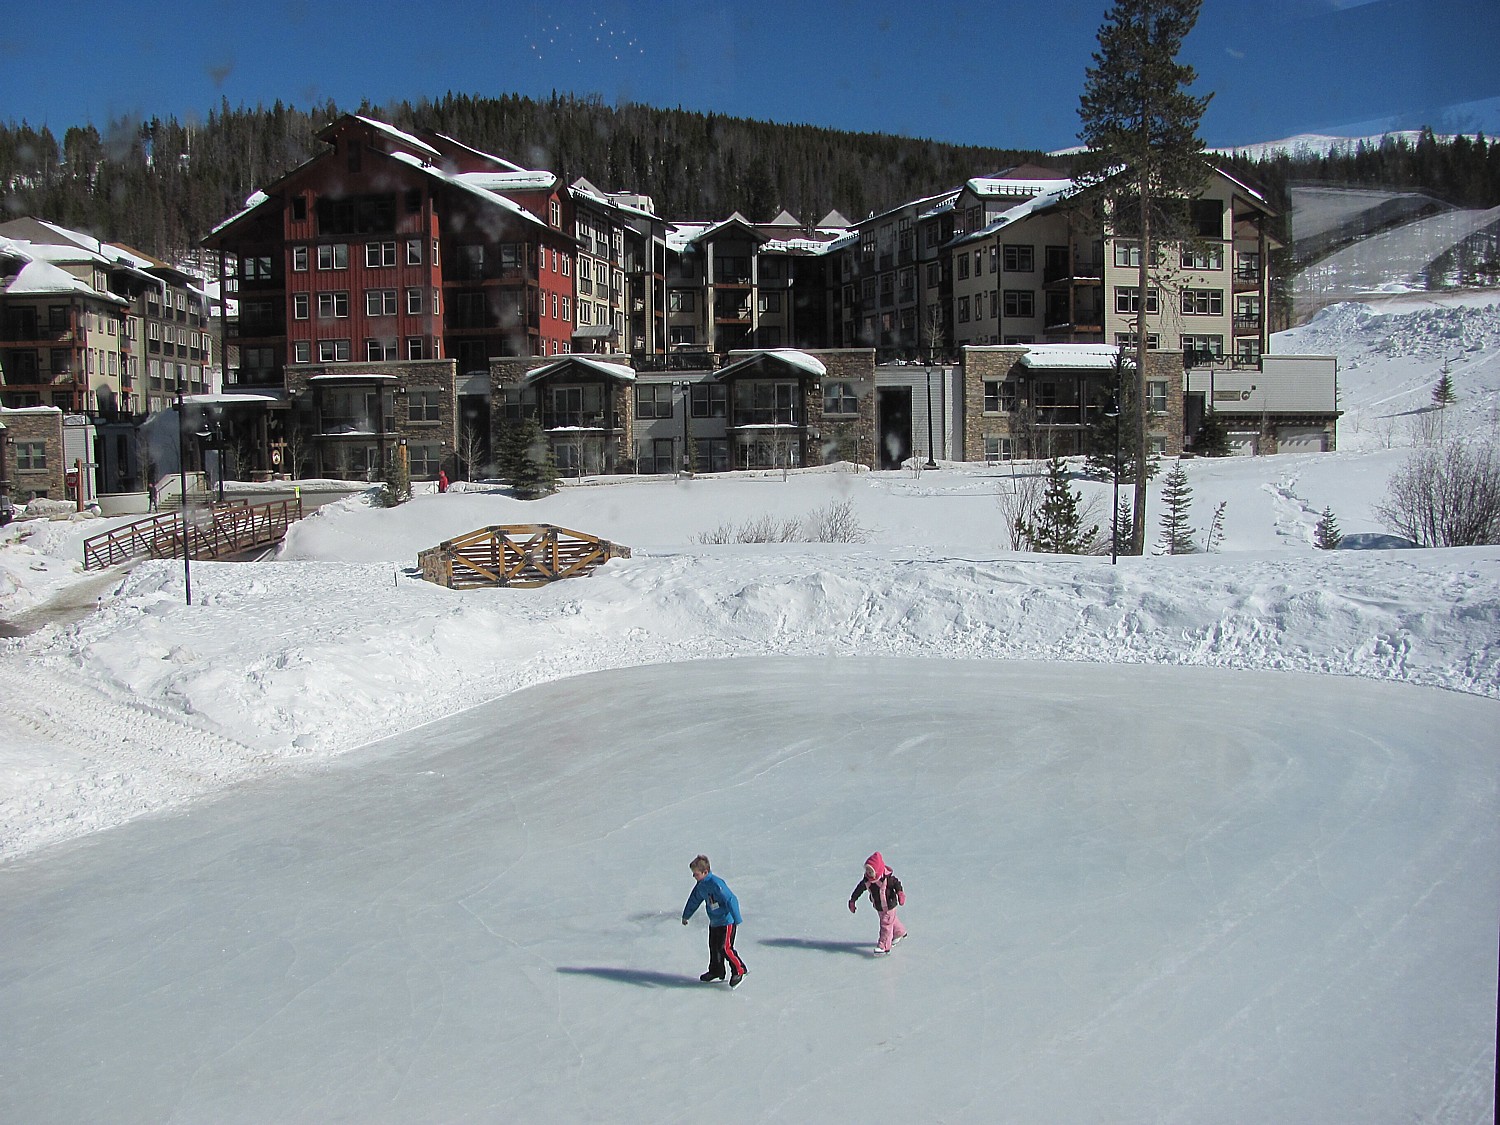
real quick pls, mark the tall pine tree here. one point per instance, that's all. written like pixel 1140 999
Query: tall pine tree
pixel 1144 159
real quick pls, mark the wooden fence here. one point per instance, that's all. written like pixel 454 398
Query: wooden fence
pixel 522 555
pixel 212 533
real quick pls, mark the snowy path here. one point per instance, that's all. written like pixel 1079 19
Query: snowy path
pixel 1137 895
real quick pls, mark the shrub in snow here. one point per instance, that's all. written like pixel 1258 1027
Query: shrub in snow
pixel 1446 496
pixel 836 523
pixel 1176 498
pixel 1327 536
pixel 1057 526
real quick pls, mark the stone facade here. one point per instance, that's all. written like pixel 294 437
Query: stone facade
pixel 34 431
pixel 842 437
pixel 980 366
pixel 422 411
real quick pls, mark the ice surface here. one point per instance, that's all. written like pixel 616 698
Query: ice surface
pixel 1135 894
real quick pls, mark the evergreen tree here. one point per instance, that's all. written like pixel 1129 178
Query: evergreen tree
pixel 1443 394
pixel 1144 159
pixel 395 479
pixel 1327 536
pixel 1058 526
pixel 1212 438
pixel 1176 498
pixel 522 460
pixel 1100 439
pixel 1120 531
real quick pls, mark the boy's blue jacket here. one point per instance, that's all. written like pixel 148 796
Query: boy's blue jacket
pixel 723 907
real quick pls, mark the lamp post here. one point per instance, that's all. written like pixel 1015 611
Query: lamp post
pixel 931 464
pixel 187 570
pixel 1114 515
pixel 7 510
pixel 687 390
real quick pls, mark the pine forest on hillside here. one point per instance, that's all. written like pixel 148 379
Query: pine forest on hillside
pixel 160 185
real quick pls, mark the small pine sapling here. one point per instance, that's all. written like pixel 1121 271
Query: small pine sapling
pixel 1177 499
pixel 1216 528
pixel 1327 536
pixel 1443 394
pixel 1058 526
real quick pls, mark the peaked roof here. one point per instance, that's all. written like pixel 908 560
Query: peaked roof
pixel 618 372
pixel 798 361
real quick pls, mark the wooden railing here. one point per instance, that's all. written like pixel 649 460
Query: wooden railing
pixel 523 555
pixel 212 533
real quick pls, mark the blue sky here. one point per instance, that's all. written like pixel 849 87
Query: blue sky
pixel 996 73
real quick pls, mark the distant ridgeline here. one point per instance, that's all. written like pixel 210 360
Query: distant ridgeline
pixel 160 185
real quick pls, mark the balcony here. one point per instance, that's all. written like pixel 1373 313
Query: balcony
pixel 1246 278
pixel 602 421
pixel 1078 271
pixel 1247 325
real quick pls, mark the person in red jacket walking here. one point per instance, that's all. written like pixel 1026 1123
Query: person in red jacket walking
pixel 886 893
pixel 442 480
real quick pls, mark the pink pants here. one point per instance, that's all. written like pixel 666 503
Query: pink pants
pixel 890 929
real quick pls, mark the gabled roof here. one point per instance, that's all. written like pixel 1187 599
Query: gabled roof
pixel 680 236
pixel 616 372
pixel 1025 210
pixel 798 362
pixel 40 278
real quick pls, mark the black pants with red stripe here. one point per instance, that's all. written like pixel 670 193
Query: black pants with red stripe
pixel 721 948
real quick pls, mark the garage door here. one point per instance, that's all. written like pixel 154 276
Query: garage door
pixel 1242 443
pixel 1301 439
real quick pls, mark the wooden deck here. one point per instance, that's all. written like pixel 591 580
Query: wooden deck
pixel 522 555
pixel 212 533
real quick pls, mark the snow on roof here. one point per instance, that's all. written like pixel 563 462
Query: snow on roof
pixel 1019 212
pixel 617 371
pixel 682 235
pixel 256 198
pixel 458 180
pixel 990 187
pixel 507 165
pixel 945 203
pixel 1072 356
pixel 398 135
pixel 38 278
pixel 835 240
pixel 790 356
pixel 224 397
pixel 519 180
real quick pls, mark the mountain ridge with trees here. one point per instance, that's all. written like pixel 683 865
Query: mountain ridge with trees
pixel 160 184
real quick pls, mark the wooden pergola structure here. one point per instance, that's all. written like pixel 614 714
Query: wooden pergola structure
pixel 522 555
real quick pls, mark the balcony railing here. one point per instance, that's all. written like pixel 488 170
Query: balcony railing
pixel 580 420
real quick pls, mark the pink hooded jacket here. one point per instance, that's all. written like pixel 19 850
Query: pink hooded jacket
pixel 886 892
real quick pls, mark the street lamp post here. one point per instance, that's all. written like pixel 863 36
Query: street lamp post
pixel 931 464
pixel 187 570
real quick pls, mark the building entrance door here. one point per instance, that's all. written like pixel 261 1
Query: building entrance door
pixel 894 427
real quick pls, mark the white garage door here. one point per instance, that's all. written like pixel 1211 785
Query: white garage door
pixel 1301 439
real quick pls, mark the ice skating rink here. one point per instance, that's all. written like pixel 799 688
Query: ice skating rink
pixel 1135 894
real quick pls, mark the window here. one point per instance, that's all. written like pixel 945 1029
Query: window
pixel 1020 259
pixel 333 351
pixel 653 400
pixel 301 306
pixel 379 254
pixel 554 213
pixel 839 398
pixel 380 302
pixel 997 448
pixel 1203 257
pixel 934 275
pixel 567 308
pixel 471 261
pixel 333 305
pixel 424 404
pixel 963 266
pixel 1203 302
pixel 414 302
pixel 963 310
pixel 415 348
pixel 770 302
pixel 1156 396
pixel 1020 302
pixel 31 455
pixel 301 351
pixel 299 208
pixel 1200 348
pixel 707 400
pixel 1127 340
pixel 380 349
pixel 256 267
pixel 299 259
pixel 424 460
pixel 333 256
pixel 1207 217
pixel 1128 299
pixel 1128 255
pixel 762 403
pixel 414 252
pixel 677 336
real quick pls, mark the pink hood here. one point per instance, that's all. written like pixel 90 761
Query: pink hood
pixel 878 865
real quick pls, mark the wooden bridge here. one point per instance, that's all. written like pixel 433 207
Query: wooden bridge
pixel 522 555
pixel 212 533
